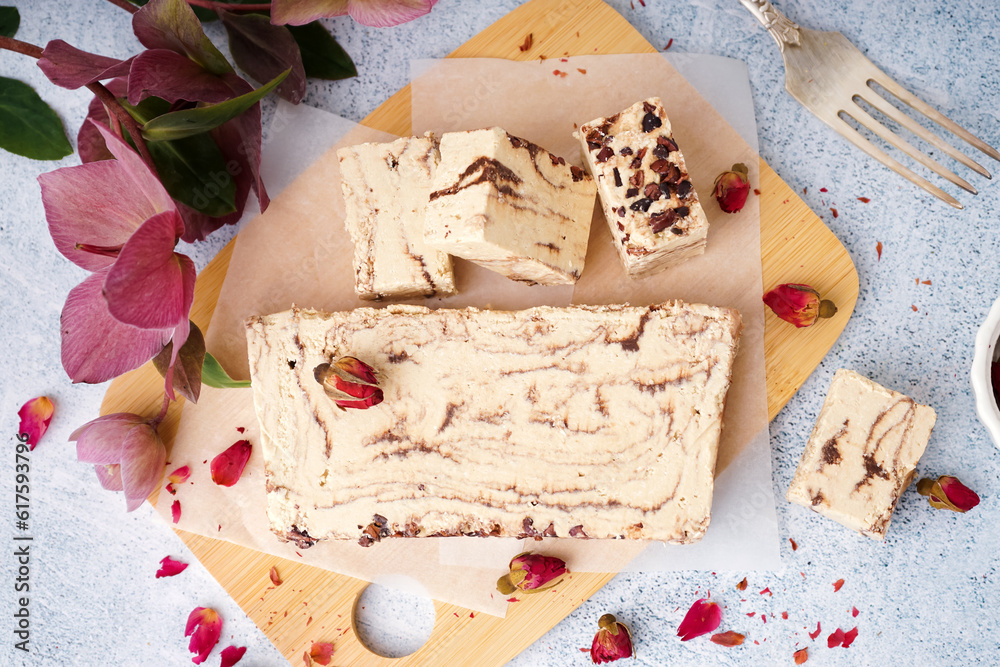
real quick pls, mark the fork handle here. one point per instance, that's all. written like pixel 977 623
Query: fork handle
pixel 784 30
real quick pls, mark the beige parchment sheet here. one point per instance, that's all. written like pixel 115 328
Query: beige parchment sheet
pixel 299 252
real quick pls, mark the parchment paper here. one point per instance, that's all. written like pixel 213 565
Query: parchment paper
pixel 298 252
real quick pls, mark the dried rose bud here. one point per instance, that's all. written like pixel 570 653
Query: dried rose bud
pixel 732 188
pixel 351 383
pixel 947 493
pixel 800 305
pixel 612 642
pixel 532 573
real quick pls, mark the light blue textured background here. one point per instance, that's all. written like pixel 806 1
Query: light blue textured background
pixel 929 592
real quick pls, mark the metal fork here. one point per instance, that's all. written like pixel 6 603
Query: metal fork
pixel 829 76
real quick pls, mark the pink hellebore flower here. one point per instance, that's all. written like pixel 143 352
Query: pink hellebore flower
pixel 114 218
pixel 373 13
pixel 126 452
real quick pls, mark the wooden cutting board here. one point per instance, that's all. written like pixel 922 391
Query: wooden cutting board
pixel 795 247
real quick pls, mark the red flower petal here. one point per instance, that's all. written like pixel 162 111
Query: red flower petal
pixel 321 652
pixel 814 635
pixel 180 475
pixel 35 417
pixel 231 655
pixel 275 577
pixel 795 546
pixel 175 511
pixel 854 612
pixel 204 626
pixel 742 586
pixel 95 346
pixel 878 249
pixel 836 638
pixel 728 638
pixel 170 567
pixel 837 585
pixel 801 656
pixel 849 637
pixel 703 617
pixel 227 467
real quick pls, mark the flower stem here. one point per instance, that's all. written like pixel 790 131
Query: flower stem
pixel 163 412
pixel 102 93
pixel 213 5
pixel 126 5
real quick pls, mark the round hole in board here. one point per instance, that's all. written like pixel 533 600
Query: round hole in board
pixel 394 616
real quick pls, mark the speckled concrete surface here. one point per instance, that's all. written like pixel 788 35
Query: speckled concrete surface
pixel 928 592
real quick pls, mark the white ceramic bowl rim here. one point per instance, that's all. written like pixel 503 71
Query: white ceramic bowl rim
pixel 982 383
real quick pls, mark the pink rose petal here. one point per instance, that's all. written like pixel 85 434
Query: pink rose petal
pixel 143 458
pixel 69 67
pixel 387 13
pixel 275 577
pixel 227 467
pixel 175 511
pixel 321 652
pixel 814 635
pixel 180 475
pixel 35 417
pixel 204 626
pixel 231 655
pixel 836 638
pixel 170 567
pixel 703 617
pixel 95 346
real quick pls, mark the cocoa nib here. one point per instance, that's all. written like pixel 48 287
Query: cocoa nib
pixel 641 204
pixel 301 538
pixel 527 42
pixel 621 211
pixel 556 160
pixel 677 230
pixel 618 177
pixel 637 160
pixel 637 179
pixel 626 151
pixel 375 531
pixel 652 191
pixel 632 192
pixel 667 141
pixel 683 211
pixel 576 172
pixel 605 153
pixel 577 531
pixel 665 189
pixel 684 188
pixel 660 151
pixel 660 221
pixel 648 107
pixel 650 122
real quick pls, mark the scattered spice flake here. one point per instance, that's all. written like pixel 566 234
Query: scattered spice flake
pixel 471 615
pixel 275 577
pixel 784 615
pixel 925 282
pixel 241 429
pixel 231 655
pixel 728 638
pixel 170 567
pixel 801 656
pixel 455 613
pixel 763 617
pixel 834 211
pixel 836 638
pixel 670 43
pixel 805 190
pixel 321 653
pixel 564 60
pixel 849 637
pixel 508 600
pixel 837 584
pixel 642 2
pixel 854 612
pixel 528 41
pixel 742 586
pixel 175 511
pixel 814 635
pixel 803 574
pixel 560 73
pixel 751 614
pixel 227 467
pixel 913 307
pixel 823 190
pixel 864 200
pixel 581 70
pixel 768 591
pixel 878 249
pixel 756 191
pixel 795 546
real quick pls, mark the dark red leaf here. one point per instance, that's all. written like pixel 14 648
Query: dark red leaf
pixel 172 25
pixel 173 77
pixel 69 67
pixel 186 374
pixel 264 51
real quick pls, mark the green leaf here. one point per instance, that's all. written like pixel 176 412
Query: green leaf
pixel 193 170
pixel 29 126
pixel 322 56
pixel 10 19
pixel 214 375
pixel 189 122
pixel 187 369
